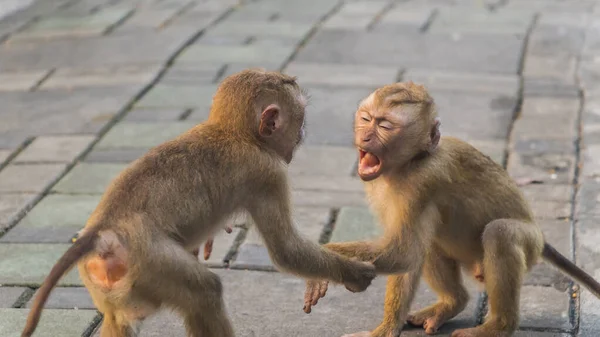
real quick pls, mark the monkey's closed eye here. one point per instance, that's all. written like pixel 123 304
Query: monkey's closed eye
pixel 386 125
pixel 366 119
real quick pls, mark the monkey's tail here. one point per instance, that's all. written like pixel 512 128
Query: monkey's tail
pixel 566 266
pixel 83 245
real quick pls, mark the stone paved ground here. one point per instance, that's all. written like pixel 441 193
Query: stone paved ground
pixel 86 86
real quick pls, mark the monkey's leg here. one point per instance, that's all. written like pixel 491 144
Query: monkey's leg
pixel 111 327
pixel 174 277
pixel 399 293
pixel 443 276
pixel 510 248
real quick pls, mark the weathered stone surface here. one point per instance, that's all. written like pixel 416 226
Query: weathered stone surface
pixel 558 234
pixel 27 178
pixel 235 54
pixel 95 23
pixel 543 307
pixel 549 87
pixel 332 160
pixel 272 28
pixel 560 68
pixel 587 249
pixel 114 155
pixel 525 333
pixel 4 154
pixel 464 81
pixel 355 223
pixel 133 74
pixel 192 74
pixel 147 47
pixel 253 256
pixel 495 149
pixel 523 144
pixel 154 114
pixel 332 199
pixel 235 67
pixel 10 206
pixel 29 264
pixel 589 317
pixel 21 81
pixel 56 149
pixel 146 18
pixel 283 315
pixel 55 219
pixel 51 112
pixel 64 323
pixel 146 135
pixel 67 298
pixel 481 22
pixel 549 168
pixel 327 183
pixel 554 192
pixel 341 75
pixel 334 110
pixel 432 51
pixel 551 40
pixel 550 107
pixel 88 178
pixel 534 127
pixel 179 96
pixel 10 295
pixel 401 19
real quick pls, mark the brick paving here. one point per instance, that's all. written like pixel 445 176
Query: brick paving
pixel 87 86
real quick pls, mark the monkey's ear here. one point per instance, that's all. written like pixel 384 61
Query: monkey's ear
pixel 435 134
pixel 269 121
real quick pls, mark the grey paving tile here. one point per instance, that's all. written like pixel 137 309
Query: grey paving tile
pixel 67 323
pixel 11 205
pixel 142 135
pixel 57 149
pixel 10 295
pixel 88 178
pixel 67 298
pixel 29 178
pixel 340 75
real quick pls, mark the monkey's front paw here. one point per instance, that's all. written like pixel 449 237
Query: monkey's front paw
pixel 315 290
pixel 433 317
pixel 359 278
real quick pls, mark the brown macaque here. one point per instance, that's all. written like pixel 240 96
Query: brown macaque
pixel 134 254
pixel 444 206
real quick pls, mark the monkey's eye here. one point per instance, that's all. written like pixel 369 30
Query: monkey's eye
pixel 365 118
pixel 386 125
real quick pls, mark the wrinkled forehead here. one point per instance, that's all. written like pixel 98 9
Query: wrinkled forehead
pixel 378 108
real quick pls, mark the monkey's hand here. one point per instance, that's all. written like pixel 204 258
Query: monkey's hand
pixel 209 244
pixel 315 290
pixel 358 276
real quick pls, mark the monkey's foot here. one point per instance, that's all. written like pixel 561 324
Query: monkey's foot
pixel 479 331
pixel 432 317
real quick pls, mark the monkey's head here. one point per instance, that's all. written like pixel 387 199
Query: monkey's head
pixel 267 106
pixel 394 125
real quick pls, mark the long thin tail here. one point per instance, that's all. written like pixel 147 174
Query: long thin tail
pixel 566 266
pixel 81 247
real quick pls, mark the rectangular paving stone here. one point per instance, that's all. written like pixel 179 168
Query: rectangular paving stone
pixel 332 160
pixel 95 23
pixel 356 223
pixel 438 51
pixel 4 154
pixel 154 114
pixel 549 87
pixel 491 148
pixel 464 81
pixel 145 18
pixel 29 178
pixel 327 183
pixel 54 149
pixel 549 168
pixel 561 68
pixel 334 109
pixel 554 192
pixel 67 298
pixel 124 156
pixel 338 313
pixel 333 199
pixel 481 22
pixel 143 135
pixel 88 178
pixel 11 205
pixel 534 146
pixel 235 54
pixel 588 198
pixel 549 106
pixel 10 295
pixel 534 127
pixel 544 307
pixel 348 22
pixel 170 96
pixel 21 81
pixel 234 67
pixel 64 323
pixel 558 234
pixel 589 316
pixel 269 28
pixel 55 219
pixel 401 19
pixel 253 256
pixel 192 74
pixel 527 333
pixel 273 41
pixel 29 264
pixel 130 74
pixel 340 75
pixel 551 40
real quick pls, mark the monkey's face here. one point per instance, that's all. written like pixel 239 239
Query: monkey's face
pixel 385 137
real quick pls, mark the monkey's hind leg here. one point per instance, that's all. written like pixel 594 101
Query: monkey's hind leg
pixel 175 278
pixel 443 276
pixel 511 248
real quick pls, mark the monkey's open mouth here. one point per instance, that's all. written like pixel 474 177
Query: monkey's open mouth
pixel 368 165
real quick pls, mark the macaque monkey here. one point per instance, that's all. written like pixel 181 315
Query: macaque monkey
pixel 135 253
pixel 444 206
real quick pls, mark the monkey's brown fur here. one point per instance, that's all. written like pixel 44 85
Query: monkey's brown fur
pixel 134 254
pixel 442 207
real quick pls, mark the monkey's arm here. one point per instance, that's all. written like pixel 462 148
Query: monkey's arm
pixel 271 213
pixel 362 250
